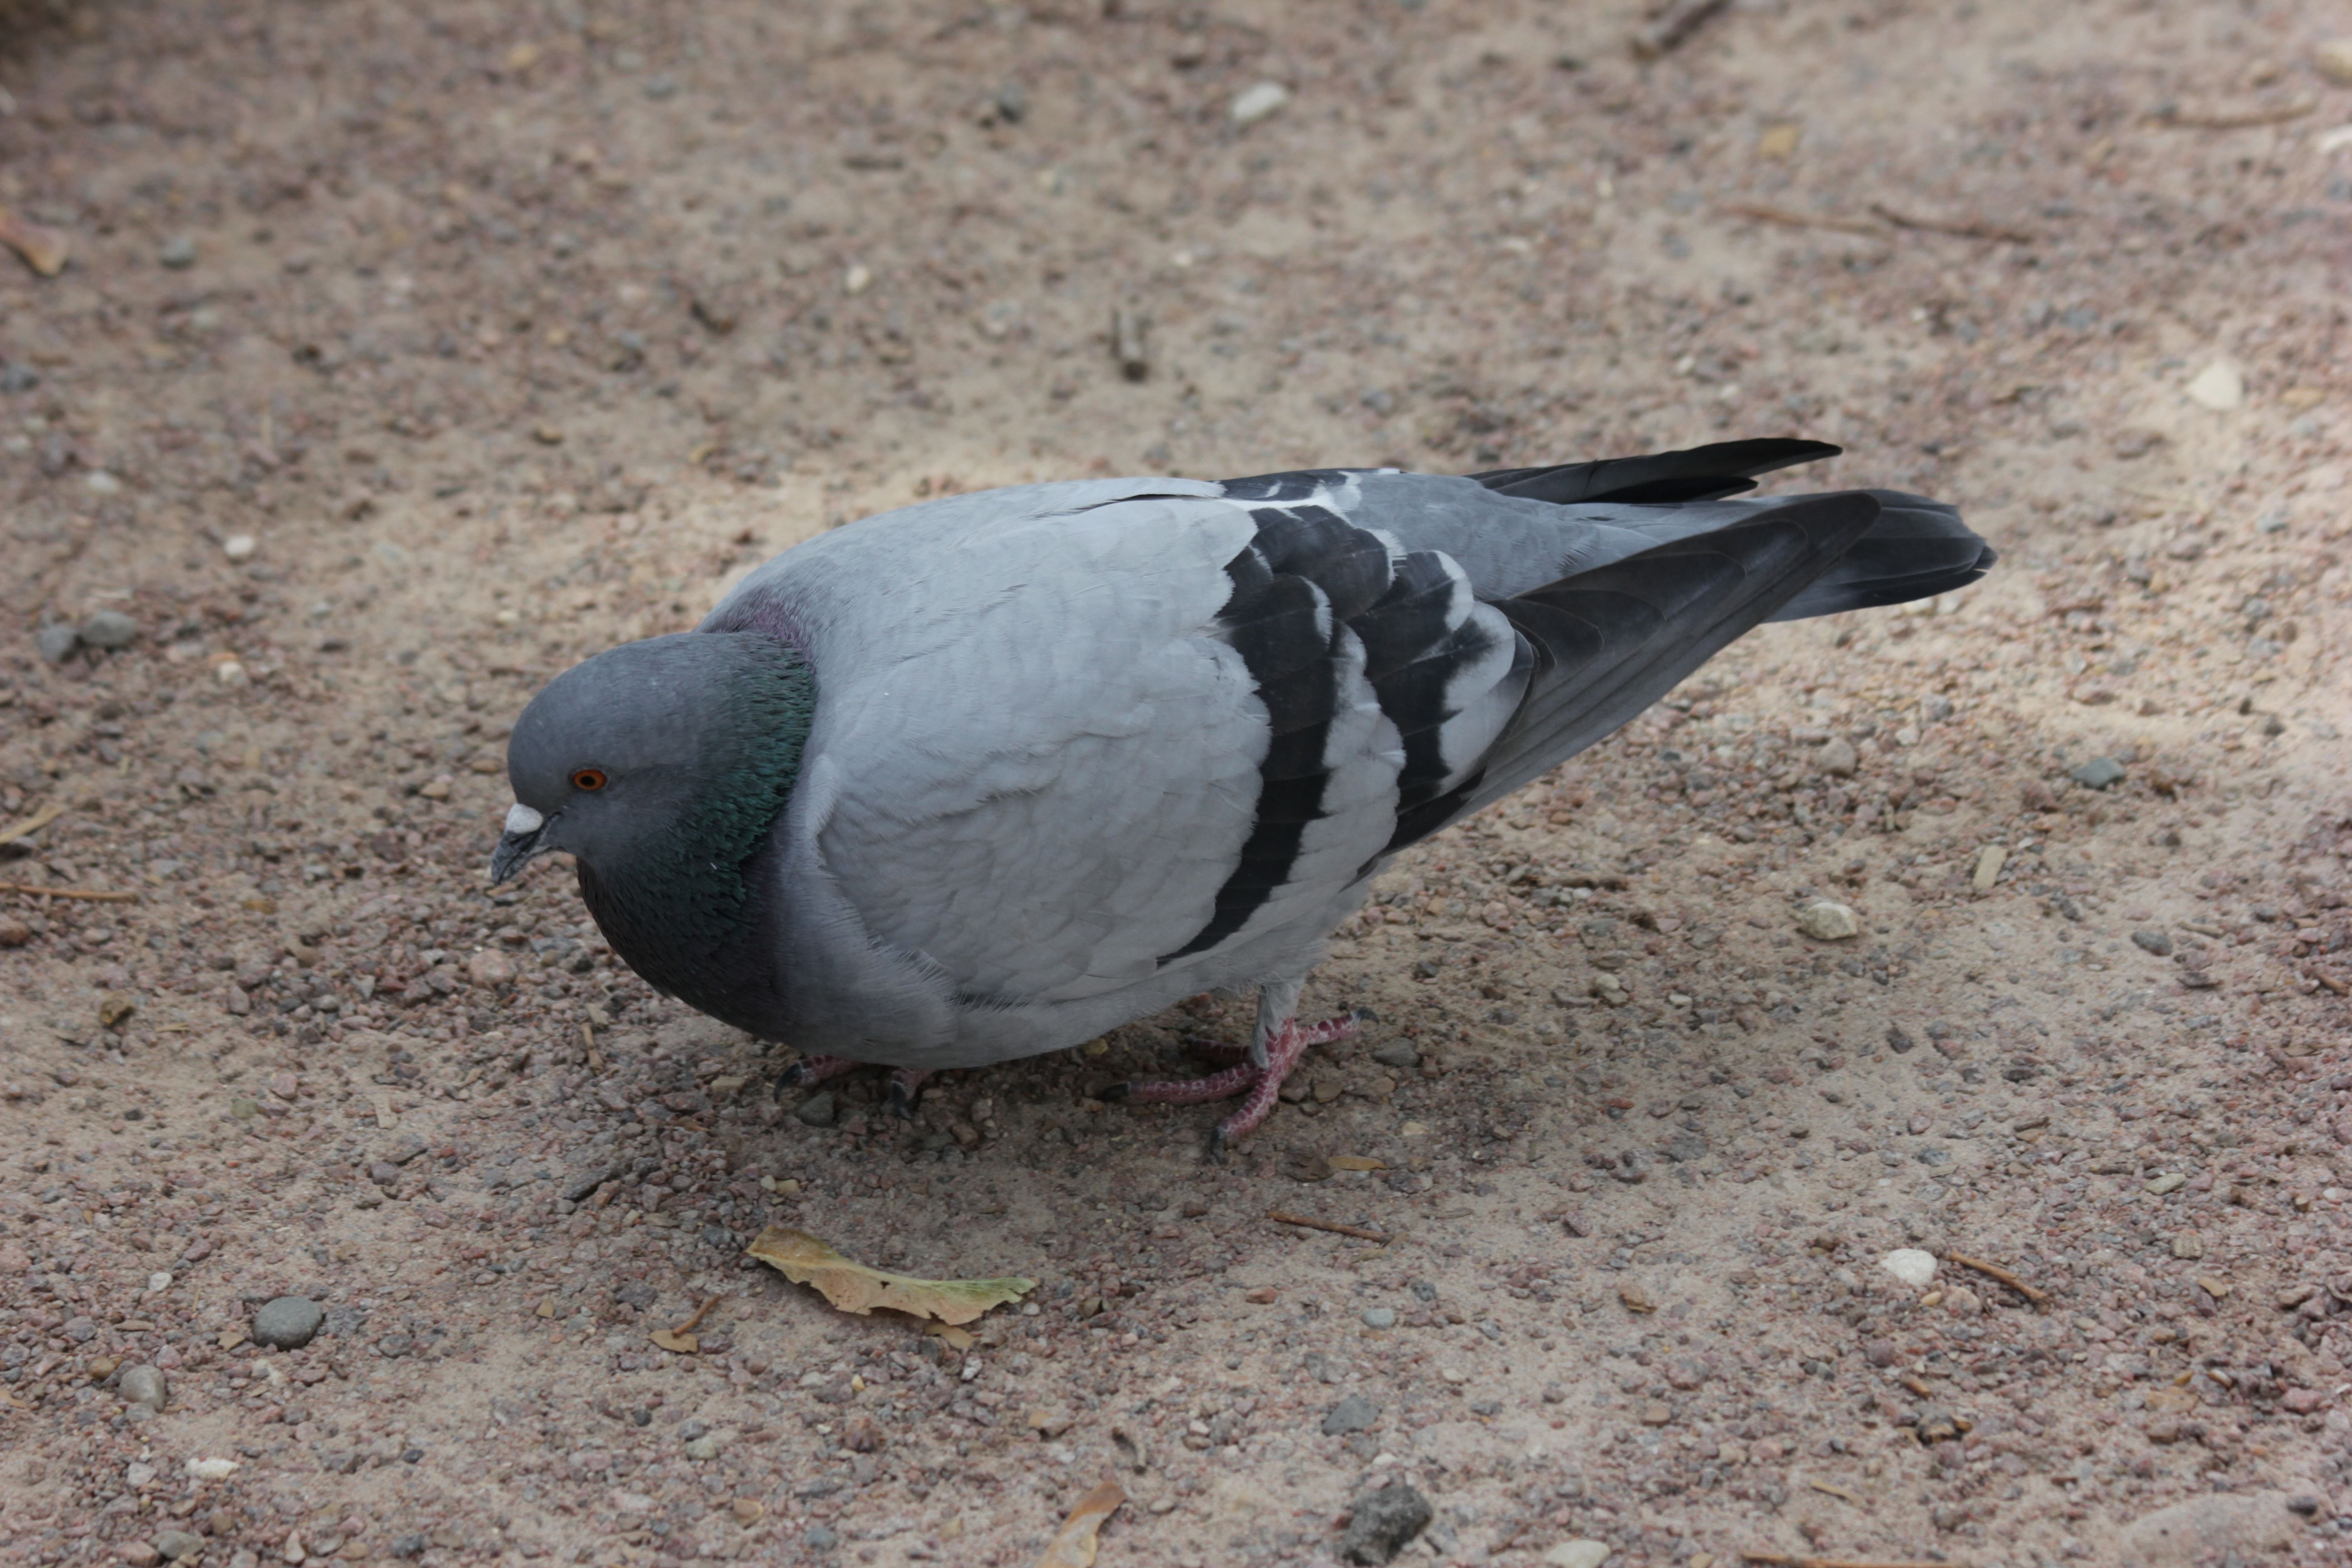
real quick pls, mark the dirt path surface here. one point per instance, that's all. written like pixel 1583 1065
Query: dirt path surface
pixel 408 353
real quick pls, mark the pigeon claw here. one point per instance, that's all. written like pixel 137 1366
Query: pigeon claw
pixel 906 1087
pixel 811 1069
pixel 1262 1086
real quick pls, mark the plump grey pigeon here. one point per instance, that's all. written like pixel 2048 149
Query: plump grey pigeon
pixel 989 775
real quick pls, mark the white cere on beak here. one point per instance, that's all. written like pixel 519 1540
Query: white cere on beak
pixel 520 819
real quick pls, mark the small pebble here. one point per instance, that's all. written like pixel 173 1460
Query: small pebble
pixel 2218 386
pixel 143 1385
pixel 1827 921
pixel 178 251
pixel 239 546
pixel 817 1538
pixel 1353 1414
pixel 139 1554
pixel 289 1322
pixel 56 642
pixel 857 280
pixel 1255 103
pixel 2098 773
pixel 1910 1265
pixel 175 1544
pixel 1840 759
pixel 110 628
pixel 1576 1554
pixel 2156 941
pixel 1380 1318
pixel 2170 1182
pixel 1380 1525
pixel 1397 1054
pixel 703 1448
pixel 2333 57
pixel 14 932
pixel 816 1111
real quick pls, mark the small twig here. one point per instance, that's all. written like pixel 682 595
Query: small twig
pixel 1965 229
pixel 1682 18
pixel 701 1312
pixel 1764 214
pixel 1786 1560
pixel 2239 120
pixel 2032 1293
pixel 1337 1229
pixel 33 824
pixel 588 1039
pixel 90 893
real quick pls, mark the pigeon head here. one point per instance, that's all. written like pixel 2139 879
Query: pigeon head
pixel 661 767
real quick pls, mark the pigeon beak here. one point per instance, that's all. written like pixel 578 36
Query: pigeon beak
pixel 524 840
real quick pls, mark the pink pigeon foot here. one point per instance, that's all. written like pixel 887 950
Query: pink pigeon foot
pixel 906 1083
pixel 1263 1085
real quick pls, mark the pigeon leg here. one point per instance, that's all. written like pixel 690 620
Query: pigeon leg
pixel 906 1083
pixel 1283 1047
pixel 813 1069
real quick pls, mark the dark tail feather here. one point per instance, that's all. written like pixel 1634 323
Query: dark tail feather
pixel 1614 640
pixel 1662 479
pixel 1917 548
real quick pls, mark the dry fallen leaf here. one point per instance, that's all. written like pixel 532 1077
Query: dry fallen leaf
pixel 44 249
pixel 676 1344
pixel 955 1339
pixel 854 1287
pixel 1356 1163
pixel 1073 1545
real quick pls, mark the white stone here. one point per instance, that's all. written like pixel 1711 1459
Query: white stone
pixel 1825 920
pixel 2218 386
pixel 1910 1265
pixel 239 546
pixel 1258 100
pixel 102 483
pixel 213 1469
pixel 1576 1554
pixel 158 1282
pixel 857 280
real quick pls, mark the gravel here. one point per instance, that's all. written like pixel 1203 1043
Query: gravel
pixel 142 1385
pixel 816 1111
pixel 109 629
pixel 1827 920
pixel 1380 1523
pixel 287 1323
pixel 1353 1414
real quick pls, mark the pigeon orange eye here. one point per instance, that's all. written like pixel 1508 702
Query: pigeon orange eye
pixel 588 778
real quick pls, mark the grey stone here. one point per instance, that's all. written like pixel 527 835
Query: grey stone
pixel 175 1544
pixel 56 642
pixel 1687 1148
pixel 1353 1414
pixel 1826 920
pixel 1383 1523
pixel 1840 759
pixel 288 1322
pixel 703 1448
pixel 816 1111
pixel 817 1538
pixel 2156 941
pixel 177 251
pixel 15 375
pixel 587 1182
pixel 143 1385
pixel 1397 1054
pixel 2099 772
pixel 410 1545
pixel 110 628
pixel 1380 1317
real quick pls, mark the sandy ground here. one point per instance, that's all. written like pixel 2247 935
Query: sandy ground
pixel 507 332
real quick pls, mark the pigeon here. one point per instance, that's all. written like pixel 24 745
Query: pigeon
pixel 986 776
